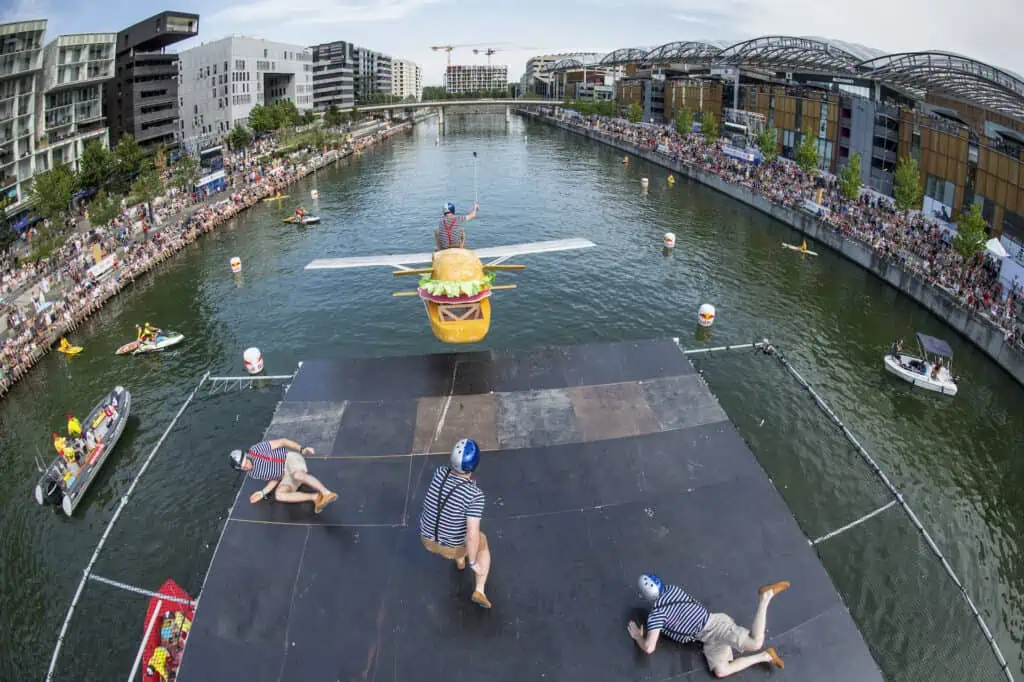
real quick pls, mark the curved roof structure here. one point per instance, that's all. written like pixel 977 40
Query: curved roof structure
pixel 918 72
pixel 956 75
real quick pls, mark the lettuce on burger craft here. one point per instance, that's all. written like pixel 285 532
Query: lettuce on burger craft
pixel 456 273
pixel 455 288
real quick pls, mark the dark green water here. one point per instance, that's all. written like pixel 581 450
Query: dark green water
pixel 953 458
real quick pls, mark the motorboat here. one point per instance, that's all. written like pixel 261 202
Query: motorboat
pixel 932 371
pixel 64 483
pixel 304 220
pixel 165 632
pixel 161 342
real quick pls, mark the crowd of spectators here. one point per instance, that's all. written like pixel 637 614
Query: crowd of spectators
pixel 77 286
pixel 908 239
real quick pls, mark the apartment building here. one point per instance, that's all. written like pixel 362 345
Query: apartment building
pixel 21 63
pixel 407 79
pixel 535 79
pixel 142 100
pixel 460 79
pixel 372 74
pixel 221 81
pixel 333 75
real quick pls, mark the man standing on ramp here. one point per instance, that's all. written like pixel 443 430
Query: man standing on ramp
pixel 684 619
pixel 450 520
pixel 280 462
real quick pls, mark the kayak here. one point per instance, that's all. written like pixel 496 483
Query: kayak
pixel 305 220
pixel 165 632
pixel 68 349
pixel 277 198
pixel 162 342
pixel 793 247
pixel 64 486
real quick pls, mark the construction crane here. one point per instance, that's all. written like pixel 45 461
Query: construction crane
pixel 449 48
pixel 489 51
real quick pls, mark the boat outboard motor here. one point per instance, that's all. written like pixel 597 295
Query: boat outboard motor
pixel 52 493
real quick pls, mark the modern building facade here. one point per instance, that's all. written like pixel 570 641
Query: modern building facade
pixel 407 79
pixel 21 63
pixel 142 100
pixel 333 77
pixel 960 119
pixel 69 106
pixel 220 82
pixel 372 74
pixel 459 79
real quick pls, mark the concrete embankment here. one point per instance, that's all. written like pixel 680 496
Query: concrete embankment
pixel 981 332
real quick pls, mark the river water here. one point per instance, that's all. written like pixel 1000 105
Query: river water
pixel 952 458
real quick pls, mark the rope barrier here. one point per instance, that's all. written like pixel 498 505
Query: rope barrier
pixel 110 526
pixel 139 590
pixel 898 499
pixel 843 529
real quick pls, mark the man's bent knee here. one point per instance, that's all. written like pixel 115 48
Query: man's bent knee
pixel 751 644
pixel 720 672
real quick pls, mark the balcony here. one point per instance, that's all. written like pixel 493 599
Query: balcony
pixel 156 131
pixel 16 67
pixel 170 70
pixel 8 181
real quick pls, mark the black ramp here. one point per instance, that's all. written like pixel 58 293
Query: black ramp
pixel 601 462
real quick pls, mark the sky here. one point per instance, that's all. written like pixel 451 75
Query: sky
pixel 981 29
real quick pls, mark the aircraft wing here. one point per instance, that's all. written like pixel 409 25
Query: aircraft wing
pixel 500 253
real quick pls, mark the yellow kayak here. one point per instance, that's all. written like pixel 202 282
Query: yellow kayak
pixel 68 349
pixel 277 198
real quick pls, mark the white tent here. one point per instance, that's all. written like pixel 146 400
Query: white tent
pixel 995 248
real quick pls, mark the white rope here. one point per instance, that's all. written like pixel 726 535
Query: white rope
pixel 742 346
pixel 910 514
pixel 145 638
pixel 253 377
pixel 110 526
pixel 854 524
pixel 138 590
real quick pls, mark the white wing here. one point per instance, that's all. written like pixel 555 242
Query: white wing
pixel 499 253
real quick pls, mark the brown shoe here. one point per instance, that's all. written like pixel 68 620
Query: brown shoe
pixel 324 500
pixel 774 587
pixel 776 661
pixel 481 599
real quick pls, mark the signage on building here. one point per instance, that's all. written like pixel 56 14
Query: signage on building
pixel 741 154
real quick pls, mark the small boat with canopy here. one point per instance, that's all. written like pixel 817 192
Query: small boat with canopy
pixel 932 371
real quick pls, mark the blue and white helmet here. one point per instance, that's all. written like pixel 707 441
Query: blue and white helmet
pixel 465 456
pixel 449 207
pixel 650 586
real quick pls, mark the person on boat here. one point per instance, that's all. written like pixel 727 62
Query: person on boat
pixel 280 462
pixel 897 349
pixel 450 232
pixel 74 427
pixel 685 620
pixel 450 520
pixel 146 333
pixel 937 369
pixel 65 451
pixel 64 345
pixel 300 213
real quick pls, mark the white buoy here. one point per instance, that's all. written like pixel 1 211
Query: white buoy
pixel 253 360
pixel 236 264
pixel 670 240
pixel 645 182
pixel 314 194
pixel 706 315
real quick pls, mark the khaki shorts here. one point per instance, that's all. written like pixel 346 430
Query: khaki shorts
pixel 721 635
pixel 293 463
pixel 451 553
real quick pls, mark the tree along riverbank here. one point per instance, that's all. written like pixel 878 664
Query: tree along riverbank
pixel 977 329
pixel 163 244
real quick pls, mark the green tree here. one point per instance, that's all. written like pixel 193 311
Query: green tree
pixel 849 178
pixel 52 192
pixel 97 167
pixel 261 120
pixel 129 157
pixel 768 143
pixel 635 113
pixel 186 173
pixel 239 137
pixel 148 185
pixel 308 117
pixel 684 122
pixel 287 113
pixel 907 185
pixel 709 127
pixel 104 208
pixel 971 233
pixel 807 153
pixel 332 117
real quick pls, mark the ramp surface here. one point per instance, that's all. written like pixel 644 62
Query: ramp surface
pixel 602 462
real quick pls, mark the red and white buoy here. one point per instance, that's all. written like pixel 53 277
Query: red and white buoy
pixel 706 315
pixel 253 360
pixel 236 264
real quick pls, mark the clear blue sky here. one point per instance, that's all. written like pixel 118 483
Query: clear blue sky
pixel 982 29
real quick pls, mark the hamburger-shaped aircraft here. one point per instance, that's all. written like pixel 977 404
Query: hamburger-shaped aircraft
pixel 456 288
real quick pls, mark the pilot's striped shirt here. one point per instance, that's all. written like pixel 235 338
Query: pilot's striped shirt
pixel 678 615
pixel 467 501
pixel 267 462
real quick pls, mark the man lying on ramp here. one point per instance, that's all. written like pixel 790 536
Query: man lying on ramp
pixel 280 462
pixel 684 619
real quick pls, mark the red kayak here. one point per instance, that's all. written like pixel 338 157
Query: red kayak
pixel 168 633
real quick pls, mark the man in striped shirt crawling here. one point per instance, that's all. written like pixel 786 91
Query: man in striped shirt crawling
pixel 280 462
pixel 684 619
pixel 450 520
